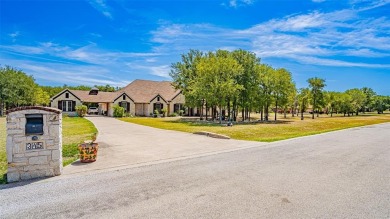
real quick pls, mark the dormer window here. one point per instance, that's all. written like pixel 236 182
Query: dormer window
pixel 67 95
pixel 94 91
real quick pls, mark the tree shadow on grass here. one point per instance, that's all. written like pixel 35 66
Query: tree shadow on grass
pixel 224 123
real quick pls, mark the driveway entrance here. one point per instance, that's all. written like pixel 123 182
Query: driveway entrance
pixel 124 144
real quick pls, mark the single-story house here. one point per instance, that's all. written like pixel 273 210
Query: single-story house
pixel 140 98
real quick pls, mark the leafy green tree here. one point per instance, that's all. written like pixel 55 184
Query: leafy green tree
pixel 369 99
pixel 249 80
pixel 40 97
pixel 265 89
pixel 316 86
pixel 292 100
pixel 216 79
pixel 281 86
pixel 16 88
pixel 346 103
pixel 184 74
pixel 303 100
pixel 358 98
pixel 106 88
pixel 381 103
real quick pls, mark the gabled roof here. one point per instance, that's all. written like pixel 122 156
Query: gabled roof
pixel 142 91
pixel 101 97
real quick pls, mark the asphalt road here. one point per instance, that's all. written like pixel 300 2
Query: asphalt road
pixel 344 174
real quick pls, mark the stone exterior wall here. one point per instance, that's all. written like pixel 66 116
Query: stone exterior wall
pixel 24 163
pixel 129 101
pixel 155 100
pixel 178 99
pixel 54 103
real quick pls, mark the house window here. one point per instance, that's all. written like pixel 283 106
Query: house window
pixel 158 98
pixel 124 105
pixel 67 106
pixel 124 97
pixel 67 95
pixel 177 107
pixel 158 106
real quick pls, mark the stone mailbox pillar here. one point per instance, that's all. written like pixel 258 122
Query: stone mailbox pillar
pixel 34 143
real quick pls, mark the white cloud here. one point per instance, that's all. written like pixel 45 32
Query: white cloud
pixel 314 38
pixel 101 6
pixel 237 3
pixel 88 65
pixel 14 34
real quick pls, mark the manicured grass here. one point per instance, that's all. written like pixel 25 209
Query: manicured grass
pixel 290 127
pixel 3 155
pixel 74 131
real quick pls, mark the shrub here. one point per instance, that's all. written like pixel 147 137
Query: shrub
pixel 128 115
pixel 81 110
pixel 181 112
pixel 164 112
pixel 173 115
pixel 118 111
pixel 156 113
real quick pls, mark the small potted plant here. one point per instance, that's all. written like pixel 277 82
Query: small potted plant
pixel 88 150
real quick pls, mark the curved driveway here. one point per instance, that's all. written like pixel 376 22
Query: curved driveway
pixel 122 144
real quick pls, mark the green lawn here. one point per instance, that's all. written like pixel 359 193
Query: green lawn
pixel 74 131
pixel 3 155
pixel 271 131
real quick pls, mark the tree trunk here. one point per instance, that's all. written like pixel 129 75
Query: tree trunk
pixel 220 114
pixel 266 112
pixel 261 113
pixel 206 111
pixel 285 113
pixel 228 109
pixel 276 108
pixel 314 103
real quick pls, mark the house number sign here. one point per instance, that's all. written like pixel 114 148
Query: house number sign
pixel 34 145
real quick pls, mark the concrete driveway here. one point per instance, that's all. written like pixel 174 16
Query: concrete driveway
pixel 124 144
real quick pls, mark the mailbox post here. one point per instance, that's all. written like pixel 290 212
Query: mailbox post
pixel 34 143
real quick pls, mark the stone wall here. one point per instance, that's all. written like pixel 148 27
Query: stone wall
pixel 25 163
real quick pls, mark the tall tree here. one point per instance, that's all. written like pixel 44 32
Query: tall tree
pixel 40 97
pixel 16 88
pixel 358 98
pixel 369 94
pixel 303 100
pixel 184 74
pixel 282 83
pixel 265 88
pixel 216 78
pixel 316 86
pixel 248 79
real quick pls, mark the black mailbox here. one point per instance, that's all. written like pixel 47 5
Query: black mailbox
pixel 34 124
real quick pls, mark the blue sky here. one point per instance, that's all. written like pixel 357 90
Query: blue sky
pixel 346 42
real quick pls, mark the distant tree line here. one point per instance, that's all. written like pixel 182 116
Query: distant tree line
pixel 237 82
pixel 19 89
